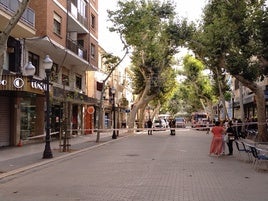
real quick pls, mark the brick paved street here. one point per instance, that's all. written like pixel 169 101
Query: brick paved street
pixel 141 168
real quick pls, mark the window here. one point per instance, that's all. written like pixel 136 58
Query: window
pixel 35 61
pixel 65 77
pixel 93 21
pixel 57 24
pixel 13 55
pixel 78 81
pixel 92 50
pixel 99 86
pixel 81 6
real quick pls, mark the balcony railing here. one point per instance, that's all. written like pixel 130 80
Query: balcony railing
pixel 74 11
pixel 12 6
pixel 77 49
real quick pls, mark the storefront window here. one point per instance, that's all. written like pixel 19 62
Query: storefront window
pixel 28 117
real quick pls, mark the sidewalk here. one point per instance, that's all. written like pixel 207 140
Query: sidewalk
pixel 18 159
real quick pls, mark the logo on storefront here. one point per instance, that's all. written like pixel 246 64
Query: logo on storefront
pixel 90 110
pixel 18 83
pixel 39 85
pixel 3 82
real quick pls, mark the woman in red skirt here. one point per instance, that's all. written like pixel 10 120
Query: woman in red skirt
pixel 216 143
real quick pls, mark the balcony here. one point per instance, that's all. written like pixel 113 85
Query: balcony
pixel 25 27
pixel 77 49
pixel 76 22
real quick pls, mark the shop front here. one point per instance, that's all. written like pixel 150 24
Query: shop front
pixel 21 111
pixel 77 111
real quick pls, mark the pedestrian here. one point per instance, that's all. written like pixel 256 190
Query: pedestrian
pixel 149 125
pixel 172 125
pixel 216 143
pixel 224 124
pixel 230 132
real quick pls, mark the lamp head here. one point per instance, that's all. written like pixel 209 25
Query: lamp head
pixel 113 90
pixel 29 69
pixel 47 62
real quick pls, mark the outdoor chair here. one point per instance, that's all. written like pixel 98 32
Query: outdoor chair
pixel 239 148
pixel 260 156
pixel 247 150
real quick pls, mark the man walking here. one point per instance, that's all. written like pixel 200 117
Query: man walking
pixel 150 124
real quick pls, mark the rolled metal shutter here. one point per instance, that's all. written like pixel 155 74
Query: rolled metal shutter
pixel 4 121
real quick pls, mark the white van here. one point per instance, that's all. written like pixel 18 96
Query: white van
pixel 159 123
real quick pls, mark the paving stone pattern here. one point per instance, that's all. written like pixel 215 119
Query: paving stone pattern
pixel 142 167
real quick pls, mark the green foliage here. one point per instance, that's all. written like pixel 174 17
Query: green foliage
pixel 264 35
pixel 235 31
pixel 110 61
pixel 150 29
pixel 196 87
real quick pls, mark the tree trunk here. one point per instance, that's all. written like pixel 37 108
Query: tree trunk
pixel 141 116
pixel 241 104
pixel 260 102
pixel 143 100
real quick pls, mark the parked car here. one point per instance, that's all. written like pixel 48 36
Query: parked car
pixel 180 122
pixel 159 123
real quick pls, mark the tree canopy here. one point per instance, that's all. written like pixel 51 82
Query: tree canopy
pixel 151 30
pixel 233 37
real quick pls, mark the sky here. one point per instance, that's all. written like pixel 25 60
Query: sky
pixel 191 9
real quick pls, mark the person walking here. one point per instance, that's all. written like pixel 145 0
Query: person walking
pixel 216 143
pixel 149 125
pixel 172 125
pixel 230 132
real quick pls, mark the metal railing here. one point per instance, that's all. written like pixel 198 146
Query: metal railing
pixel 74 11
pixel 77 49
pixel 12 6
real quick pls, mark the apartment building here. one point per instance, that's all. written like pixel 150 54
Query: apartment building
pixel 67 31
pixel 119 81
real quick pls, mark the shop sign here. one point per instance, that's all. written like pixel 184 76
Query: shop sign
pixel 90 110
pixel 14 83
pixel 17 82
pixel 39 85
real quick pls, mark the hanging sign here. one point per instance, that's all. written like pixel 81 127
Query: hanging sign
pixel 90 110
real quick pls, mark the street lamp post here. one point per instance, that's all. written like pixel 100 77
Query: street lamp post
pixel 233 105
pixel 47 65
pixel 113 109
pixel 29 71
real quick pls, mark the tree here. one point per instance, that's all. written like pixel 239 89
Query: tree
pixel 4 34
pixel 149 28
pixel 112 62
pixel 199 88
pixel 233 37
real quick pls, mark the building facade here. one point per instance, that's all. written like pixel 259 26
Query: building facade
pixel 120 82
pixel 67 31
